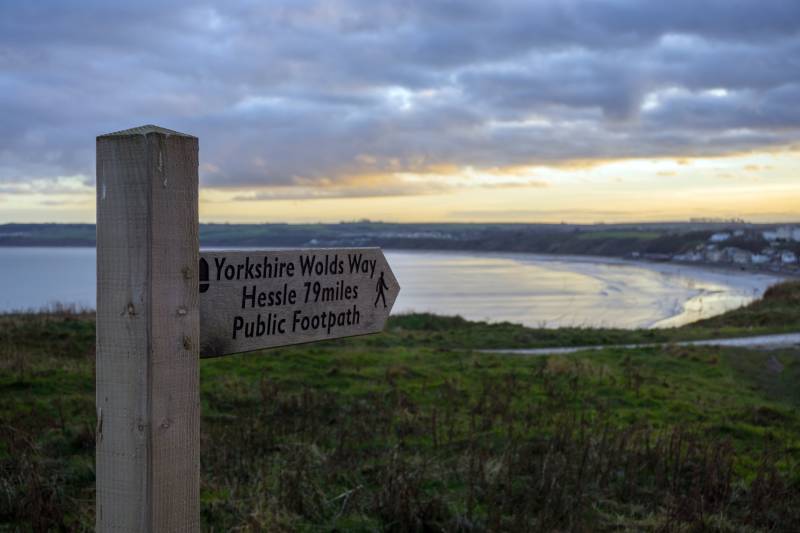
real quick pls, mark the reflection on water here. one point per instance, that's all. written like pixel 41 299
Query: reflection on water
pixel 557 291
pixel 523 288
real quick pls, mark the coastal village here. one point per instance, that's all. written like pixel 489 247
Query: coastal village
pixel 774 250
pixel 731 243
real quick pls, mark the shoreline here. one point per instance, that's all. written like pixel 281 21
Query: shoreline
pixel 699 289
pixel 605 259
pixel 536 290
pixel 751 269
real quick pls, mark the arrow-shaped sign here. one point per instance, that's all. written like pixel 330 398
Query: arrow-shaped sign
pixel 258 299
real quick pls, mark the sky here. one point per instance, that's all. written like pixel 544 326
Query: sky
pixel 428 110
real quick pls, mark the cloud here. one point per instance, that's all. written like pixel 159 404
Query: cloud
pixel 60 185
pixel 303 96
pixel 543 214
pixel 384 186
pixel 60 203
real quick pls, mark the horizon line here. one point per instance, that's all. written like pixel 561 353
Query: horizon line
pixel 441 223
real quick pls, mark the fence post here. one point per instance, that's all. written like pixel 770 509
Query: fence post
pixel 148 402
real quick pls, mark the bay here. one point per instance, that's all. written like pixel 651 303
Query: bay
pixel 535 290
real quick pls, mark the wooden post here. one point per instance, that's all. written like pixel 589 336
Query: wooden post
pixel 148 402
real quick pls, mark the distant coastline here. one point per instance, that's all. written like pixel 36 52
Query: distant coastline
pixel 760 248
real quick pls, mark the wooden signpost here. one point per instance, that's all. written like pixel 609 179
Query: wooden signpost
pixel 252 300
pixel 161 305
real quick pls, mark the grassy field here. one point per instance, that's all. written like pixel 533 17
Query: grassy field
pixel 414 430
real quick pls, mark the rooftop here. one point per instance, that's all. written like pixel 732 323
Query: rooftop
pixel 145 130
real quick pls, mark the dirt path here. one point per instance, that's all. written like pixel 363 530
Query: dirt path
pixel 763 342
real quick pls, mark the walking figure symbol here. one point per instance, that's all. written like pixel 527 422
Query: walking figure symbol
pixel 379 288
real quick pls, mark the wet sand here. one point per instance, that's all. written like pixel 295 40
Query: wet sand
pixel 557 291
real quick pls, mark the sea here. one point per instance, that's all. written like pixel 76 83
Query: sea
pixel 530 289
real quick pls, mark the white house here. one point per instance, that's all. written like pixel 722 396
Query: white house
pixel 788 258
pixel 759 259
pixel 738 256
pixel 720 237
pixel 692 257
pixel 770 235
pixel 796 234
pixel 784 233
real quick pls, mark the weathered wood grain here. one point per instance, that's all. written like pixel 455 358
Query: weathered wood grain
pixel 257 299
pixel 148 461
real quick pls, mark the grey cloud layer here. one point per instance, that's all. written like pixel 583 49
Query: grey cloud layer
pixel 304 92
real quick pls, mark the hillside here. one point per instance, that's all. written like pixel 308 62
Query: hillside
pixel 414 430
pixel 587 239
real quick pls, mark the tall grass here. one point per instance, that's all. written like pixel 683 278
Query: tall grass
pixel 401 432
pixel 295 460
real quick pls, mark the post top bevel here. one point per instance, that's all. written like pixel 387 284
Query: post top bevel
pixel 145 130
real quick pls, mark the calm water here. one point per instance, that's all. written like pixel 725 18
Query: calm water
pixel 524 288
